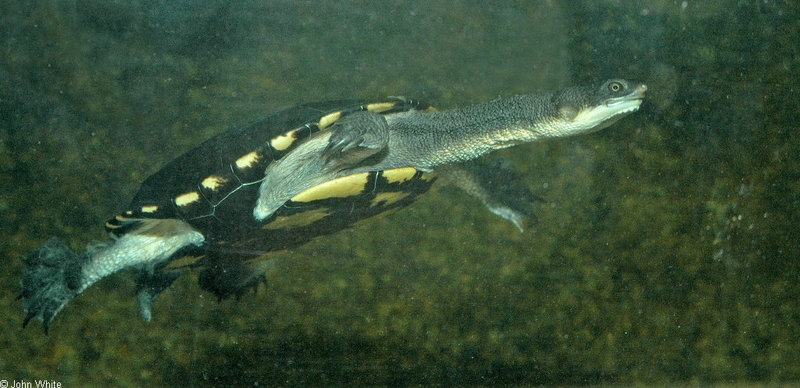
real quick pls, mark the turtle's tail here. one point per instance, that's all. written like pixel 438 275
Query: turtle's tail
pixel 51 278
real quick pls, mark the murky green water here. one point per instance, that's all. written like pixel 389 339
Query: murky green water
pixel 666 250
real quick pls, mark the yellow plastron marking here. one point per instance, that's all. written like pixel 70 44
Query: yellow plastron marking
pixel 184 261
pixel 381 106
pixel 386 199
pixel 297 220
pixel 248 160
pixel 327 120
pixel 187 199
pixel 213 182
pixel 345 186
pixel 149 209
pixel 120 221
pixel 399 175
pixel 284 141
pixel 427 176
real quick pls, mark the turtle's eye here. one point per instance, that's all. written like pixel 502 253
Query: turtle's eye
pixel 615 86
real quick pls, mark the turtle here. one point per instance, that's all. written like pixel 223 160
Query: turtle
pixel 224 206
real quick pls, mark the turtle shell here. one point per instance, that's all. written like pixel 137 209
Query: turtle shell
pixel 214 187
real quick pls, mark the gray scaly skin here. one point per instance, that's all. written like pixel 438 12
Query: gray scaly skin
pixel 426 140
pixel 53 274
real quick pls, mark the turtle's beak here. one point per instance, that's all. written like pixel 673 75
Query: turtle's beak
pixel 611 110
pixel 627 103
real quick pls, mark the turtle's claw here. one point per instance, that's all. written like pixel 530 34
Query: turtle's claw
pixel 342 141
pixel 361 130
pixel 50 279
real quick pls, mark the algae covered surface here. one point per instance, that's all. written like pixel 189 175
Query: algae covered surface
pixel 666 249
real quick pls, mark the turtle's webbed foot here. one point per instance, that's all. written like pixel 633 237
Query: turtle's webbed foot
pixel 149 286
pixel 510 197
pixel 51 278
pixel 498 185
pixel 365 130
pixel 230 277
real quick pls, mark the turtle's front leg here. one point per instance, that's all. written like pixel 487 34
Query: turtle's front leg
pixel 53 274
pixel 497 184
pixel 357 136
pixel 326 155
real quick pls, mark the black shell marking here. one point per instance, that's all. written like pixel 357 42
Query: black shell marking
pixel 214 186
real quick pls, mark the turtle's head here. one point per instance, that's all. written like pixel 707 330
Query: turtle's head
pixel 588 109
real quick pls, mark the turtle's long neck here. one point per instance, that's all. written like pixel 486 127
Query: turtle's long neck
pixel 430 139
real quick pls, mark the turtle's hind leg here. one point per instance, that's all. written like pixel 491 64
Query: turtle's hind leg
pixel 149 284
pixel 53 274
pixel 233 277
pixel 51 278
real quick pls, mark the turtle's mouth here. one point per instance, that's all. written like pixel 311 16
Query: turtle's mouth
pixel 611 110
pixel 628 103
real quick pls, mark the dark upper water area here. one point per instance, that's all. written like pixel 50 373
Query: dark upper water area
pixel 667 247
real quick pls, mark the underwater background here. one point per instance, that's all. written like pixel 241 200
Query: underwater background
pixel 667 249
